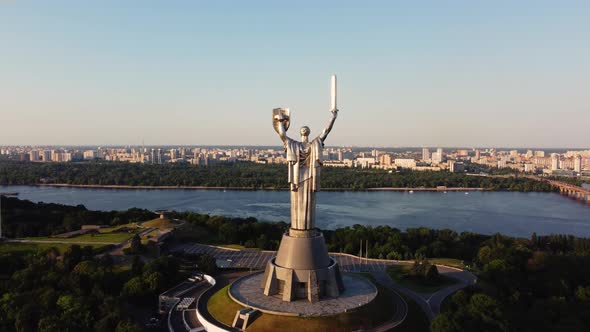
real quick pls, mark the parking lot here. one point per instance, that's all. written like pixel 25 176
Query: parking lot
pixel 256 259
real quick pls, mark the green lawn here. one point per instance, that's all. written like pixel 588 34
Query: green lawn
pixel 375 313
pixel 399 273
pixel 222 307
pixel 449 262
pixel 235 246
pixel 116 228
pixel 36 247
pixel 161 223
pixel 100 237
pixel 149 236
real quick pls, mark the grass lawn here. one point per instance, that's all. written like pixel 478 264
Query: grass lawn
pixel 448 261
pixel 379 311
pixel 149 236
pixel 399 274
pixel 161 223
pixel 36 247
pixel 116 228
pixel 232 246
pixel 236 246
pixel 100 237
pixel 222 307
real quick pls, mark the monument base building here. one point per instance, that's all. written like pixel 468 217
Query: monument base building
pixel 302 268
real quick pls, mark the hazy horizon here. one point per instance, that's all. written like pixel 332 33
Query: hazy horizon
pixel 452 74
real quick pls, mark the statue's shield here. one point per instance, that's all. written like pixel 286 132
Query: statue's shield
pixel 282 112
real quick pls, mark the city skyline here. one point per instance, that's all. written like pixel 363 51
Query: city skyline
pixel 499 75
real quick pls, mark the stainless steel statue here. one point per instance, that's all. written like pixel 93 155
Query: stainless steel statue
pixel 302 268
pixel 305 160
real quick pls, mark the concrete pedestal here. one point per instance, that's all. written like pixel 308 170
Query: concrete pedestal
pixel 302 269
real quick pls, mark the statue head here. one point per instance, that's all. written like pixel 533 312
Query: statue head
pixel 304 132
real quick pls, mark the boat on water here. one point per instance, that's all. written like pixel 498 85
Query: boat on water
pixel 9 194
pixel 411 191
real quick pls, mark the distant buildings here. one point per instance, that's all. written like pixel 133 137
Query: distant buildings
pixel 574 162
pixel 578 164
pixel 425 154
pixel 405 163
pixel 90 154
pixel 554 161
pixel 34 155
pixel 437 157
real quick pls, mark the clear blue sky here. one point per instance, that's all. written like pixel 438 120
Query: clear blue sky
pixel 411 73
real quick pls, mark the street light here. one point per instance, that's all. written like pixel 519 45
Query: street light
pixel 7 195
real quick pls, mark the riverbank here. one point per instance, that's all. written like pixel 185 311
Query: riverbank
pixel 96 186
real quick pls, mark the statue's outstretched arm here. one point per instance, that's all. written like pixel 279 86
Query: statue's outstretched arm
pixel 328 128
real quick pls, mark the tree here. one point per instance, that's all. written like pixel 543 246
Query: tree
pixel 128 326
pixel 137 265
pixel 135 288
pixel 207 264
pixel 135 247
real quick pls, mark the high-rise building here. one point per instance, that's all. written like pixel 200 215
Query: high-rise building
pixel 578 164
pixel 153 156
pixel 90 154
pixel 437 157
pixel 554 161
pixel 159 156
pixel 46 156
pixel 451 166
pixel 540 153
pixel 385 159
pixel 425 154
pixel 477 154
pixel 34 155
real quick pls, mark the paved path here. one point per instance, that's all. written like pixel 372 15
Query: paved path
pixel 60 242
pixel 400 310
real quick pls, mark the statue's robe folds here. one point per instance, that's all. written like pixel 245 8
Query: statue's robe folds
pixel 304 160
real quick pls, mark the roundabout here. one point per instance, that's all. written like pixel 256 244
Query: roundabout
pixel 358 292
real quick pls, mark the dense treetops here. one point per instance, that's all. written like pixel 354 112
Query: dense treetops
pixel 22 218
pixel 243 175
pixel 539 284
pixel 535 284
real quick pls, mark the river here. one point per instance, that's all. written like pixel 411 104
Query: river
pixel 510 213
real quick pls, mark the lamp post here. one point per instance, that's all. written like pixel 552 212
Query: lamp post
pixel 7 195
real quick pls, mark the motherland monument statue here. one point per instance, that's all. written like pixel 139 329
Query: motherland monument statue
pixel 302 267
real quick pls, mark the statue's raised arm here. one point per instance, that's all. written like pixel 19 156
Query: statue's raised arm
pixel 329 126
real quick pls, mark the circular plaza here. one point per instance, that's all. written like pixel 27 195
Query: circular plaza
pixel 358 292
